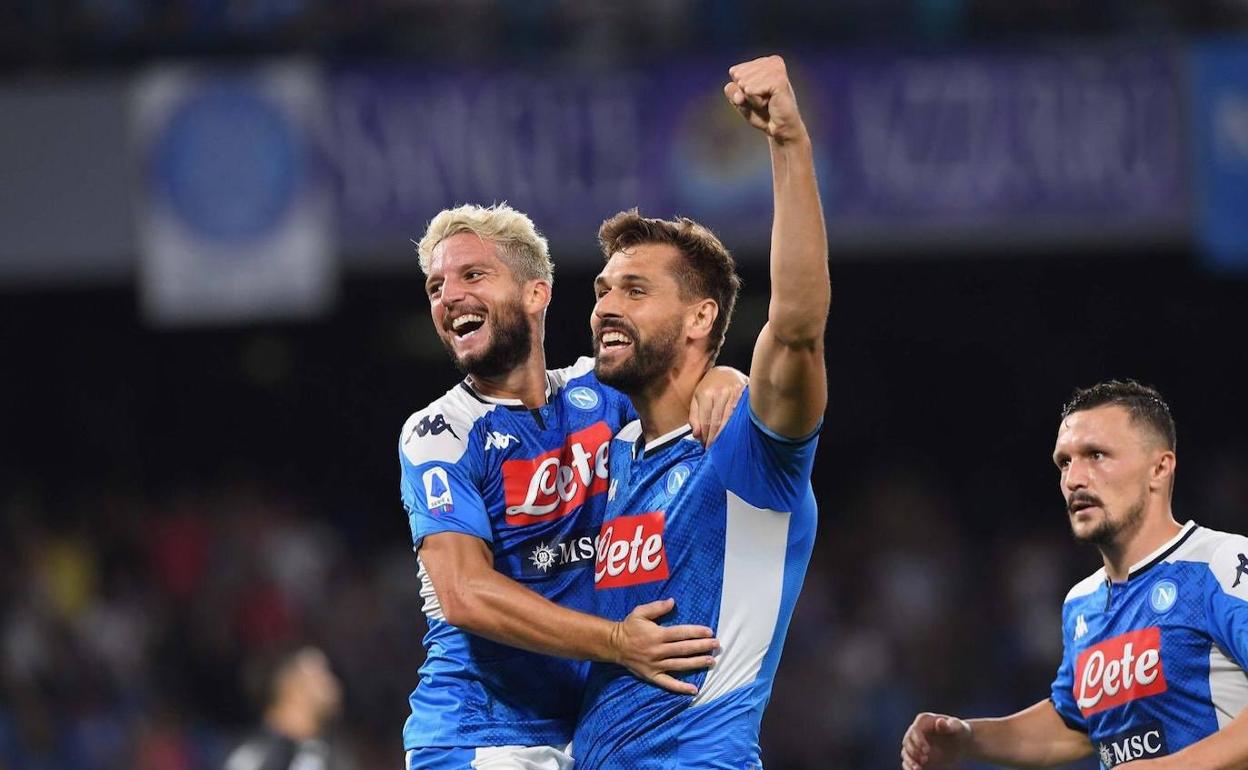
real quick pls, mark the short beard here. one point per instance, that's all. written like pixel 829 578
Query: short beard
pixel 1109 533
pixel 511 341
pixel 650 360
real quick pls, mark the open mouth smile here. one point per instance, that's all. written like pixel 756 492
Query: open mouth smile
pixel 466 325
pixel 613 339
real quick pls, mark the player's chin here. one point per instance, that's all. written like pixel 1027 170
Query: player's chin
pixel 613 356
pixel 1084 525
pixel 608 365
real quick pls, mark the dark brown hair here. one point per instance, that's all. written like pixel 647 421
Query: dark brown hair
pixel 1143 403
pixel 705 270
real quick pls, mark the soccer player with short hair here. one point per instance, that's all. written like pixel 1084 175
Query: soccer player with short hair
pixel 504 480
pixel 727 530
pixel 299 696
pixel 1155 641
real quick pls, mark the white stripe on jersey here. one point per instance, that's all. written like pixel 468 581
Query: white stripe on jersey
pixel 1086 586
pixel 561 377
pixel 1228 687
pixel 755 545
pixel 422 442
pixel 432 608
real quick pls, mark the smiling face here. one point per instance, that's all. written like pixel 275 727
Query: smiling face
pixel 478 307
pixel 640 323
pixel 1109 467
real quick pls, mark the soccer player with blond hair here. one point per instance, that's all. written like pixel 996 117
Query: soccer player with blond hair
pixel 504 479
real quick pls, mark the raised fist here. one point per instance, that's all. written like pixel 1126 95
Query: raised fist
pixel 761 92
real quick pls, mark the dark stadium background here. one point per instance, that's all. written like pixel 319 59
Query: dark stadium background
pixel 175 501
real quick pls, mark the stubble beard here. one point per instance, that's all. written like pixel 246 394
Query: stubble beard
pixel 511 341
pixel 650 359
pixel 1112 532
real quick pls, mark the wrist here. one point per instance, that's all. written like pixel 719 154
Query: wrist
pixel 795 139
pixel 613 649
pixel 969 743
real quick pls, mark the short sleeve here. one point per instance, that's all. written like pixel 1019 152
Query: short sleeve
pixel 763 468
pixel 440 483
pixel 1227 614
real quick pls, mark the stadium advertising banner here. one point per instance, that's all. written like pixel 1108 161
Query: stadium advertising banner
pixel 235 218
pixel 1056 145
pixel 241 182
pixel 1220 130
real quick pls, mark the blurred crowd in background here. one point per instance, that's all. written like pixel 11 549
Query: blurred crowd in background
pixel 186 512
pixel 85 32
pixel 177 502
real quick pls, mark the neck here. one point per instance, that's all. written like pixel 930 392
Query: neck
pixel 1156 528
pixel 526 382
pixel 663 405
pixel 292 721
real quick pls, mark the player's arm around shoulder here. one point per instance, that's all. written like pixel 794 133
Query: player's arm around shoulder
pixel 788 382
pixel 453 536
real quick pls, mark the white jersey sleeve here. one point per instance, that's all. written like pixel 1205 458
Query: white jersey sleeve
pixel 441 470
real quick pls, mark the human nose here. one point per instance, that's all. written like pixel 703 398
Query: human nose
pixel 452 291
pixel 1075 476
pixel 607 305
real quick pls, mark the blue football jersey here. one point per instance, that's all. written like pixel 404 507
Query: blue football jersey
pixel 727 532
pixel 1156 663
pixel 532 484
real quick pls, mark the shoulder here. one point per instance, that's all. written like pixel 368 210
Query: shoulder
pixel 441 430
pixel 581 386
pixel 261 752
pixel 1226 554
pixel 1086 587
pixel 630 432
pixel 578 371
pixel 1205 544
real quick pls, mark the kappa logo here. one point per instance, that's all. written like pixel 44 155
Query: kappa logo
pixel 496 440
pixel 1081 627
pixel 1145 741
pixel 583 398
pixel 1241 570
pixel 433 426
pixel 437 491
pixel 1120 670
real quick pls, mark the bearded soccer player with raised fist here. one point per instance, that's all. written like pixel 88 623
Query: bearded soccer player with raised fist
pixel 727 529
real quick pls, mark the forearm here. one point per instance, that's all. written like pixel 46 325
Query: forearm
pixel 1034 737
pixel 800 289
pixel 1227 749
pixel 496 607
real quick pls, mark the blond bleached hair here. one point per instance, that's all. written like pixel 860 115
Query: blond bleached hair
pixel 519 243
